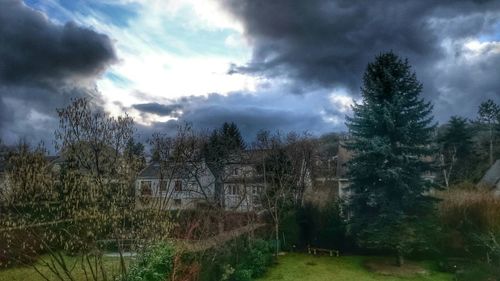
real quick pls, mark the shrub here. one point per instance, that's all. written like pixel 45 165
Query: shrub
pixel 19 247
pixel 259 256
pixel 242 275
pixel 154 264
pixel 239 260
pixel 473 216
pixel 290 231
pixel 323 227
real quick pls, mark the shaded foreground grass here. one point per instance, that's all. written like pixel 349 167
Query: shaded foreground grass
pixel 28 273
pixel 295 267
pixel 291 267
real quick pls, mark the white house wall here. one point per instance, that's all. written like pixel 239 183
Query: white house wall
pixel 192 191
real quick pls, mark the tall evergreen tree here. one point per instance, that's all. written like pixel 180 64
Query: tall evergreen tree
pixel 231 137
pixel 391 133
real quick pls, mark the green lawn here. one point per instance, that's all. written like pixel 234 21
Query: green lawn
pixel 295 267
pixel 28 273
pixel 291 267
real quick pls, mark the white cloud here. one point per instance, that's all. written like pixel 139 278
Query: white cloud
pixel 341 101
pixel 149 63
pixel 477 48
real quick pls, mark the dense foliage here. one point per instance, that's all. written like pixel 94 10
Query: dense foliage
pixel 240 260
pixel 154 264
pixel 323 228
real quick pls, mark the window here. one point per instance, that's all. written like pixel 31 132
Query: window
pixel 233 189
pixel 256 190
pixel 178 185
pixel 163 185
pixel 177 202
pixel 236 171
pixel 193 186
pixel 146 188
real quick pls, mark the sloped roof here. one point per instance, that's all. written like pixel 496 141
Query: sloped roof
pixel 492 176
pixel 151 171
pixel 154 170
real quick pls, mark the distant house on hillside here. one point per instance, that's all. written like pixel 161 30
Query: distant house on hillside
pixel 492 177
pixel 329 180
pixel 175 186
pixel 243 183
pixel 192 185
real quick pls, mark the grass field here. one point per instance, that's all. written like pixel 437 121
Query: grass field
pixel 291 267
pixel 295 267
pixel 28 273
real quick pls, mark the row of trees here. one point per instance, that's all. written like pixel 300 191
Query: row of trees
pixel 468 147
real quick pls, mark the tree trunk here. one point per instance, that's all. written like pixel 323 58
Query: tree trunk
pixel 491 145
pixel 445 175
pixel 219 192
pixel 277 237
pixel 400 260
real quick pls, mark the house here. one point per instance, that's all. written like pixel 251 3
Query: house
pixel 174 186
pixel 243 183
pixel 492 177
pixel 194 184
pixel 329 177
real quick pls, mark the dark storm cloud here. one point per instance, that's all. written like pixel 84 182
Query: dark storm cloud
pixel 331 41
pixel 42 66
pixel 35 50
pixel 464 83
pixel 158 109
pixel 328 43
pixel 270 111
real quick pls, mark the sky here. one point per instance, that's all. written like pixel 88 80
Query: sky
pixel 282 64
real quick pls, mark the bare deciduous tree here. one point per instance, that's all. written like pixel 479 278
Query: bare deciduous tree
pixel 285 168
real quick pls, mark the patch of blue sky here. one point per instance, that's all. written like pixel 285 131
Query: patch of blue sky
pixel 52 9
pixel 118 79
pixel 179 35
pixel 494 35
pixel 118 14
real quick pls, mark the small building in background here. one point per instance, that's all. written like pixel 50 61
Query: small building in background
pixel 193 185
pixel 173 186
pixel 491 178
pixel 329 181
